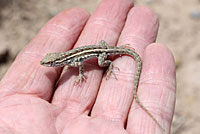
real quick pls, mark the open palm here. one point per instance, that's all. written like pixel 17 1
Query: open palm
pixel 41 100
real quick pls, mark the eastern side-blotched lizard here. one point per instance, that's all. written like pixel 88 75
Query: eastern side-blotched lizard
pixel 75 58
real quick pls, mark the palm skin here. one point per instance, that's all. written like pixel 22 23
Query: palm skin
pixel 41 100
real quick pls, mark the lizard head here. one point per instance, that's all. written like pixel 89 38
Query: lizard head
pixel 53 60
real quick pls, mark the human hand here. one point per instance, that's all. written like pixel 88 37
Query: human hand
pixel 41 100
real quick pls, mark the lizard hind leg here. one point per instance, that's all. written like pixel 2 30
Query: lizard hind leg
pixel 110 71
pixel 104 63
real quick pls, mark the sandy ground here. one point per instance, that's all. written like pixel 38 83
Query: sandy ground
pixel 20 20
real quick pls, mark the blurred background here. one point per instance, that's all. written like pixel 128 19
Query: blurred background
pixel 20 20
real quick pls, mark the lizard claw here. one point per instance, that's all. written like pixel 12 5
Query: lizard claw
pixel 116 68
pixel 66 68
pixel 80 78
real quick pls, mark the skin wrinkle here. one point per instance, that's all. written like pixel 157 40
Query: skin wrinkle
pixel 115 97
pixel 156 107
pixel 158 104
pixel 73 105
pixel 167 82
pixel 113 116
pixel 17 106
pixel 6 128
pixel 15 86
pixel 49 45
pixel 53 117
pixel 118 112
pixel 68 30
pixel 40 77
pixel 61 30
pixel 99 33
pixel 37 56
pixel 137 40
pixel 106 24
pixel 51 40
pixel 31 81
pixel 75 14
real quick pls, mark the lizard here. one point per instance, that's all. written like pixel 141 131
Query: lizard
pixel 76 57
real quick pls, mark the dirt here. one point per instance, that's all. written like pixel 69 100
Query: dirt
pixel 20 20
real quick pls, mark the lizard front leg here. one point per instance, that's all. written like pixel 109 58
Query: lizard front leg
pixel 81 76
pixel 103 43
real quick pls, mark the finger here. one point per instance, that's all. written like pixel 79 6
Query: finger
pixel 106 23
pixel 115 96
pixel 156 92
pixel 141 29
pixel 26 75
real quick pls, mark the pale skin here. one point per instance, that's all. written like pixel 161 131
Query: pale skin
pixel 31 102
